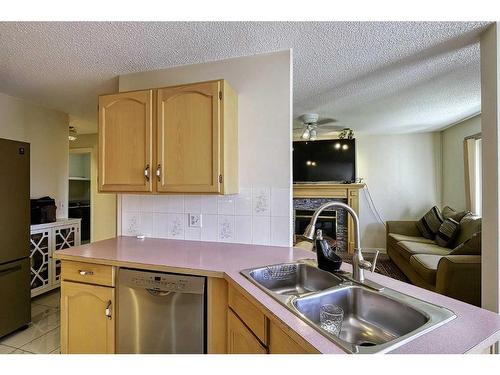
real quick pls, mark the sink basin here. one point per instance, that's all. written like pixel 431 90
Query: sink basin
pixel 373 321
pixel 376 319
pixel 292 279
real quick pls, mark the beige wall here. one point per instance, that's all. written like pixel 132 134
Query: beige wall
pixel 103 206
pixel 403 174
pixel 47 132
pixel 453 161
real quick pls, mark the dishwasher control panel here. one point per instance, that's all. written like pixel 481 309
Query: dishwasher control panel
pixel 162 281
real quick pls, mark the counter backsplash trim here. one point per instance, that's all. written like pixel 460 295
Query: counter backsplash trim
pixel 257 215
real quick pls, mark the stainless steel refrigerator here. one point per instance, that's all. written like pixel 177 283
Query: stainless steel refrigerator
pixel 15 307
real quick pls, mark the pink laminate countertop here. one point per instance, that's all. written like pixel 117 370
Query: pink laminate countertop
pixel 472 329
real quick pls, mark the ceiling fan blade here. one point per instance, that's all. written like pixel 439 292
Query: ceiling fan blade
pixel 326 121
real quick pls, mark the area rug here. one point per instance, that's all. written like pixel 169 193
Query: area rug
pixel 385 266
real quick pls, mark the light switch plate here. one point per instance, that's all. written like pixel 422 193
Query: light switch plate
pixel 195 220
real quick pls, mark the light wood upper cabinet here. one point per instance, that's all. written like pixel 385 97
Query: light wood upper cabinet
pixel 126 142
pixel 87 319
pixel 189 138
pixel 193 135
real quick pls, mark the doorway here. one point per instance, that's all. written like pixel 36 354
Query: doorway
pixel 80 189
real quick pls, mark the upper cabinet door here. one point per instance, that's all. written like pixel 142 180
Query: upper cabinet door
pixel 125 142
pixel 188 147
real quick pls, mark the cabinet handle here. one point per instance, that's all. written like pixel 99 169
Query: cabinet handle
pixel 158 172
pixel 85 273
pixel 108 310
pixel 146 172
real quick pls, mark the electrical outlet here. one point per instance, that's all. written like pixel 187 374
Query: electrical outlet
pixel 195 220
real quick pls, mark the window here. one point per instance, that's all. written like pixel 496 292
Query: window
pixel 473 175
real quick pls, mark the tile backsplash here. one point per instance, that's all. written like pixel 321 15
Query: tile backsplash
pixel 258 215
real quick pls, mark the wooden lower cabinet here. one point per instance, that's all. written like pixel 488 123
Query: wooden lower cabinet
pixel 87 319
pixel 240 339
pixel 281 343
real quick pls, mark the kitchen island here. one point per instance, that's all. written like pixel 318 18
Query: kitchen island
pixel 240 316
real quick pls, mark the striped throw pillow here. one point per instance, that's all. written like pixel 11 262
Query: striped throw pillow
pixel 430 223
pixel 447 233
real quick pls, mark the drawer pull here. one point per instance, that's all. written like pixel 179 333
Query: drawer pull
pixel 85 273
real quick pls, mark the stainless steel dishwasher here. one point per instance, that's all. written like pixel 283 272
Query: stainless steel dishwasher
pixel 160 313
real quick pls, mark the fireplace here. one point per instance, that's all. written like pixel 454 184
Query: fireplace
pixel 332 221
pixel 327 222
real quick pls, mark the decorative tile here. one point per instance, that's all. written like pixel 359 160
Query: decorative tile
pixel 243 229
pixel 261 230
pixel 261 201
pixel 226 228
pixel 280 231
pixel 175 223
pixel 280 202
pixel 209 228
pixel 243 202
pixel 225 205
pixel 192 204
pixel 209 204
pixel 131 222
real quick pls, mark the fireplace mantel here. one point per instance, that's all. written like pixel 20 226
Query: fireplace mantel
pixel 349 192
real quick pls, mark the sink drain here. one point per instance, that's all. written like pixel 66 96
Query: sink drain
pixel 366 343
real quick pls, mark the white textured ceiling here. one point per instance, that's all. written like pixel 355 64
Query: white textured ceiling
pixel 375 77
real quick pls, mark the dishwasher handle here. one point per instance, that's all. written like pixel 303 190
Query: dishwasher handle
pixel 158 293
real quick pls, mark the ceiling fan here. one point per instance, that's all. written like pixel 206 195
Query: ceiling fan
pixel 310 124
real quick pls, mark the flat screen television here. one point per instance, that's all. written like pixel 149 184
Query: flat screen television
pixel 332 160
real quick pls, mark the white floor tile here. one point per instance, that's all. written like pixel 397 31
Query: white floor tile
pixel 44 344
pixel 4 349
pixel 20 351
pixel 20 338
pixel 52 299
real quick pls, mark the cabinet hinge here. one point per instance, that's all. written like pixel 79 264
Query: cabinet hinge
pixel 220 95
pixel 220 179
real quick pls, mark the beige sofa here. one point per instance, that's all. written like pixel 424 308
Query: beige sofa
pixel 431 266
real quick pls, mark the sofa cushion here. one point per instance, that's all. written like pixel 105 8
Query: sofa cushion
pixel 469 225
pixel 394 238
pixel 429 224
pixel 408 248
pixel 447 232
pixel 426 266
pixel 450 213
pixel 472 246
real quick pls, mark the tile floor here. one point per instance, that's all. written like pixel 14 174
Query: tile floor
pixel 42 335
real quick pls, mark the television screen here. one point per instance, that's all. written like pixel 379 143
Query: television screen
pixel 332 160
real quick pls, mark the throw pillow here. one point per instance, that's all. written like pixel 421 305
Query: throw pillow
pixel 472 246
pixel 450 213
pixel 447 232
pixel 430 223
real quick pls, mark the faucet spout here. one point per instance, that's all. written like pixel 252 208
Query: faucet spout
pixel 359 264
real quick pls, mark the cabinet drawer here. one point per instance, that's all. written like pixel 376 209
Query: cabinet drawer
pixel 88 273
pixel 249 314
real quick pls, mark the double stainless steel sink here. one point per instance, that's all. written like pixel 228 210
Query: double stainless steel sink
pixel 376 319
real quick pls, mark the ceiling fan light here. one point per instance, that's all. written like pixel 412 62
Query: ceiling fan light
pixel 313 135
pixel 306 134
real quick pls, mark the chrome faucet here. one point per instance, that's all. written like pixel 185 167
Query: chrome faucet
pixel 359 264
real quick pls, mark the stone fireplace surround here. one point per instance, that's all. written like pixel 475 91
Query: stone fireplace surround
pixel 311 196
